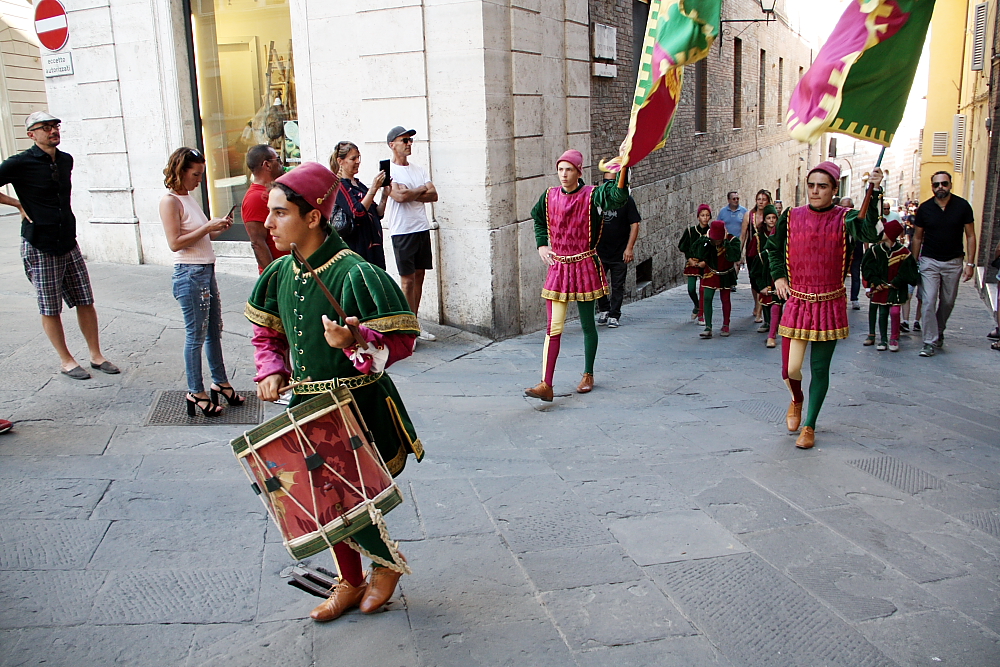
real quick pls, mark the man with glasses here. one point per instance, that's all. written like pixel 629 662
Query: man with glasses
pixel 407 218
pixel 265 166
pixel 940 225
pixel 52 258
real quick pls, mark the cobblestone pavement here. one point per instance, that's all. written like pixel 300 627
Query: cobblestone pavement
pixel 664 519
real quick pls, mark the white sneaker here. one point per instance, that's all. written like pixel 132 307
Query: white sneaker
pixel 855 305
pixel 426 335
pixel 612 322
pixel 602 318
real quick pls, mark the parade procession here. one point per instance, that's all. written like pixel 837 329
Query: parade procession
pixel 371 223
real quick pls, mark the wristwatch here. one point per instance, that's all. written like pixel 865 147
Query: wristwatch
pixel 970 264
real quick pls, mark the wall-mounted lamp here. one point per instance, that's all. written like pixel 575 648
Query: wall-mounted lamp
pixel 766 6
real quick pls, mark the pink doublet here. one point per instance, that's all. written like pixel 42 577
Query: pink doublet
pixel 817 265
pixel 576 275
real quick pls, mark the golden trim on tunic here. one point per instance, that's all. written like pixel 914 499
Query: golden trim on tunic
pixel 575 296
pixel 355 382
pixel 816 298
pixel 808 334
pixel 572 259
pixel 407 321
pixel 323 267
pixel 263 318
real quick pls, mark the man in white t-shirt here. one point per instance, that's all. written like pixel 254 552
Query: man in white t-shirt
pixel 407 218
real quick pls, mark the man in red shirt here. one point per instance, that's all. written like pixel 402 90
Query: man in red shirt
pixel 265 166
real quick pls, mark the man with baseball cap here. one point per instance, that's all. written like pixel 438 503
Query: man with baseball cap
pixel 293 320
pixel 406 216
pixel 52 258
pixel 810 254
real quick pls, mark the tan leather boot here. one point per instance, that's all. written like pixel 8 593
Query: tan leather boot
pixel 807 438
pixel 586 384
pixel 541 390
pixel 344 597
pixel 380 588
pixel 794 416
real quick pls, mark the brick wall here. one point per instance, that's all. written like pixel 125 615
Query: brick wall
pixel 701 167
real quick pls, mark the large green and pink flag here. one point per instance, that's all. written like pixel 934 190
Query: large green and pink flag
pixel 678 33
pixel 861 78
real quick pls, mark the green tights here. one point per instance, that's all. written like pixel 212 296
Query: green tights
pixel 819 383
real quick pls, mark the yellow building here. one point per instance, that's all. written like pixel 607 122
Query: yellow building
pixel 956 132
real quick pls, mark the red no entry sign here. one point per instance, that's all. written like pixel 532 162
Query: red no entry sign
pixel 51 25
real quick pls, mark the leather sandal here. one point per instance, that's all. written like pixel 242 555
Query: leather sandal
pixel 344 597
pixel 794 416
pixel 586 384
pixel 807 438
pixel 541 391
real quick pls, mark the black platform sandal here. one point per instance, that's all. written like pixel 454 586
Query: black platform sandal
pixel 228 393
pixel 208 407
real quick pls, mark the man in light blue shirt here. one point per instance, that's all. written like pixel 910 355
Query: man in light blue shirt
pixel 733 214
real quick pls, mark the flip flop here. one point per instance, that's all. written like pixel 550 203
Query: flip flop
pixel 105 367
pixel 77 373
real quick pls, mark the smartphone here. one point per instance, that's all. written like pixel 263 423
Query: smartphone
pixel 383 166
pixel 231 211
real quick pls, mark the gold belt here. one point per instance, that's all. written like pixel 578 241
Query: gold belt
pixel 816 298
pixel 332 385
pixel 570 259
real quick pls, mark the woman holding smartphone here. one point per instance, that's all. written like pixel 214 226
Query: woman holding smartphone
pixel 189 233
pixel 363 234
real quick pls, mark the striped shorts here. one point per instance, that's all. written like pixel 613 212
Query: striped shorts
pixel 57 278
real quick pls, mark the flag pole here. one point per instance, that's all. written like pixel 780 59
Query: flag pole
pixel 863 211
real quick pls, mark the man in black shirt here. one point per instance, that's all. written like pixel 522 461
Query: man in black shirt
pixel 615 249
pixel 52 258
pixel 940 224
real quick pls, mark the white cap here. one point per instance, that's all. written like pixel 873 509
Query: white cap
pixel 39 117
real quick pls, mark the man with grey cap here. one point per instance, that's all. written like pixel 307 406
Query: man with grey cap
pixel 52 258
pixel 406 215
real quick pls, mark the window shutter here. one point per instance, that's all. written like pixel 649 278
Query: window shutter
pixel 832 151
pixel 939 144
pixel 959 147
pixel 979 38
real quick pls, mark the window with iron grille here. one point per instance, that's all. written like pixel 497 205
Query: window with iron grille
pixel 781 88
pixel 762 88
pixel 737 83
pixel 701 95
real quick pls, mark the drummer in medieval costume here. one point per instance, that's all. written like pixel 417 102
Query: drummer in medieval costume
pixel 290 317
pixel 568 225
pixel 810 254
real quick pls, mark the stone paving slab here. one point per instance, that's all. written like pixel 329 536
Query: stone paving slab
pixel 162 645
pixel 48 597
pixel 672 652
pixel 63 466
pixel 933 638
pixel 574 567
pixel 517 644
pixel 50 498
pixel 43 439
pixel 170 543
pixel 673 536
pixel 157 500
pixel 49 545
pixel 247 645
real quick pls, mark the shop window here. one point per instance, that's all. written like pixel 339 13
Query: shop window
pixel 244 79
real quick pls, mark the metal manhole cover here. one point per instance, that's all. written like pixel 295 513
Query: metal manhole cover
pixel 170 409
pixel 901 475
pixel 762 410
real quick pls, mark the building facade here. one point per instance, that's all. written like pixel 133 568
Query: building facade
pixel 22 86
pixel 496 91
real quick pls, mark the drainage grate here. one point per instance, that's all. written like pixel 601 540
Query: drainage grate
pixel 901 475
pixel 170 409
pixel 786 627
pixel 987 521
pixel 762 411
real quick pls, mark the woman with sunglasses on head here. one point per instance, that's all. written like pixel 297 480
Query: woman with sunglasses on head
pixel 361 228
pixel 189 235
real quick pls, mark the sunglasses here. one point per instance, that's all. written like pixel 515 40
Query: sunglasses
pixel 941 184
pixel 405 140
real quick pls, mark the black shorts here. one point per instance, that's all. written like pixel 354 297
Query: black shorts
pixel 413 252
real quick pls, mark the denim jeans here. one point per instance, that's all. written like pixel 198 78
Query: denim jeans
pixel 198 293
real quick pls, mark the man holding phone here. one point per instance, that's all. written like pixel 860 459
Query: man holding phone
pixel 409 226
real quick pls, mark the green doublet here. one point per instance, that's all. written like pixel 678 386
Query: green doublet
pixel 287 299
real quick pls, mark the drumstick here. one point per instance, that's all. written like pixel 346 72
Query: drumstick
pixel 362 343
pixel 293 385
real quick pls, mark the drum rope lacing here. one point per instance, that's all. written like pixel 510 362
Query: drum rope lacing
pixel 376 515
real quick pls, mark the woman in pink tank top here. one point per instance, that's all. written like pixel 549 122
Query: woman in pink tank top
pixel 189 234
